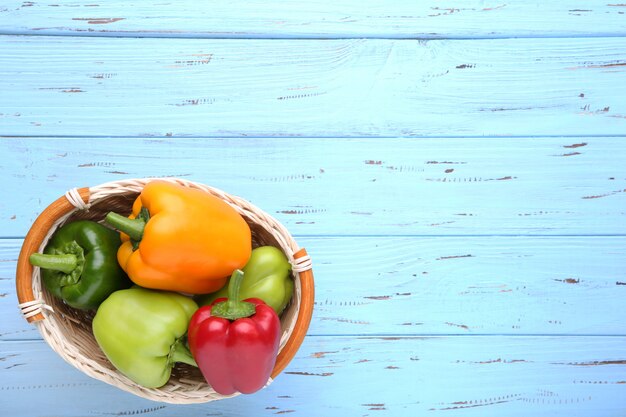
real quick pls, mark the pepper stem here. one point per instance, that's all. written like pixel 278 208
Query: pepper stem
pixel 180 353
pixel 65 263
pixel 132 227
pixel 233 308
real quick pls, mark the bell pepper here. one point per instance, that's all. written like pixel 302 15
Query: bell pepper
pixel 266 276
pixel 79 265
pixel 181 239
pixel 235 343
pixel 142 333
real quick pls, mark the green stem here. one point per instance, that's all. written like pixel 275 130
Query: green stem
pixel 235 285
pixel 180 353
pixel 132 227
pixel 65 263
pixel 233 308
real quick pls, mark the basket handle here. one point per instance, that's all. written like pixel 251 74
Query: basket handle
pixel 303 320
pixel 32 242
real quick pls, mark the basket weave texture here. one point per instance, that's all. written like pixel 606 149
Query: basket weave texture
pixel 68 331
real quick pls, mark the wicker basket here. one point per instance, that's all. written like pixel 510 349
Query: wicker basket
pixel 68 331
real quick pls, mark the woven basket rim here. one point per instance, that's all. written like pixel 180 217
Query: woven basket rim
pixel 184 391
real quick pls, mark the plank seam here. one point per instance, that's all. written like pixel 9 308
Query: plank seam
pixel 262 37
pixel 300 137
pixel 397 336
pixel 424 236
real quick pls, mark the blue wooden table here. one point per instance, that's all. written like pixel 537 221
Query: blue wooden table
pixel 457 171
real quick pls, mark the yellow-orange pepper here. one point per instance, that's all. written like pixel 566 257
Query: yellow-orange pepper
pixel 181 239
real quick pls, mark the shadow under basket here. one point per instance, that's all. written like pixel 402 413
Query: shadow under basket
pixel 68 330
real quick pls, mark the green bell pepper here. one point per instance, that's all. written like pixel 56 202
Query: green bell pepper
pixel 79 264
pixel 142 333
pixel 266 276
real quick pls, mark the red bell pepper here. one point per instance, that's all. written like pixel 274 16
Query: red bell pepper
pixel 235 343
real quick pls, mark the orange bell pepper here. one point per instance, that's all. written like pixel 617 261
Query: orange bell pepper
pixel 181 239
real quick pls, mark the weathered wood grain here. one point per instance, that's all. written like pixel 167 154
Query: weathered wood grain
pixel 388 186
pixel 463 200
pixel 180 87
pixel 449 376
pixel 441 285
pixel 287 19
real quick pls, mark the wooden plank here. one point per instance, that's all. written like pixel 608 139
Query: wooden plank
pixel 451 285
pixel 329 88
pixel 338 376
pixel 352 18
pixel 383 186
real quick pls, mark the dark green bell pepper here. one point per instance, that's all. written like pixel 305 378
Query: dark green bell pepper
pixel 142 333
pixel 266 276
pixel 79 264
